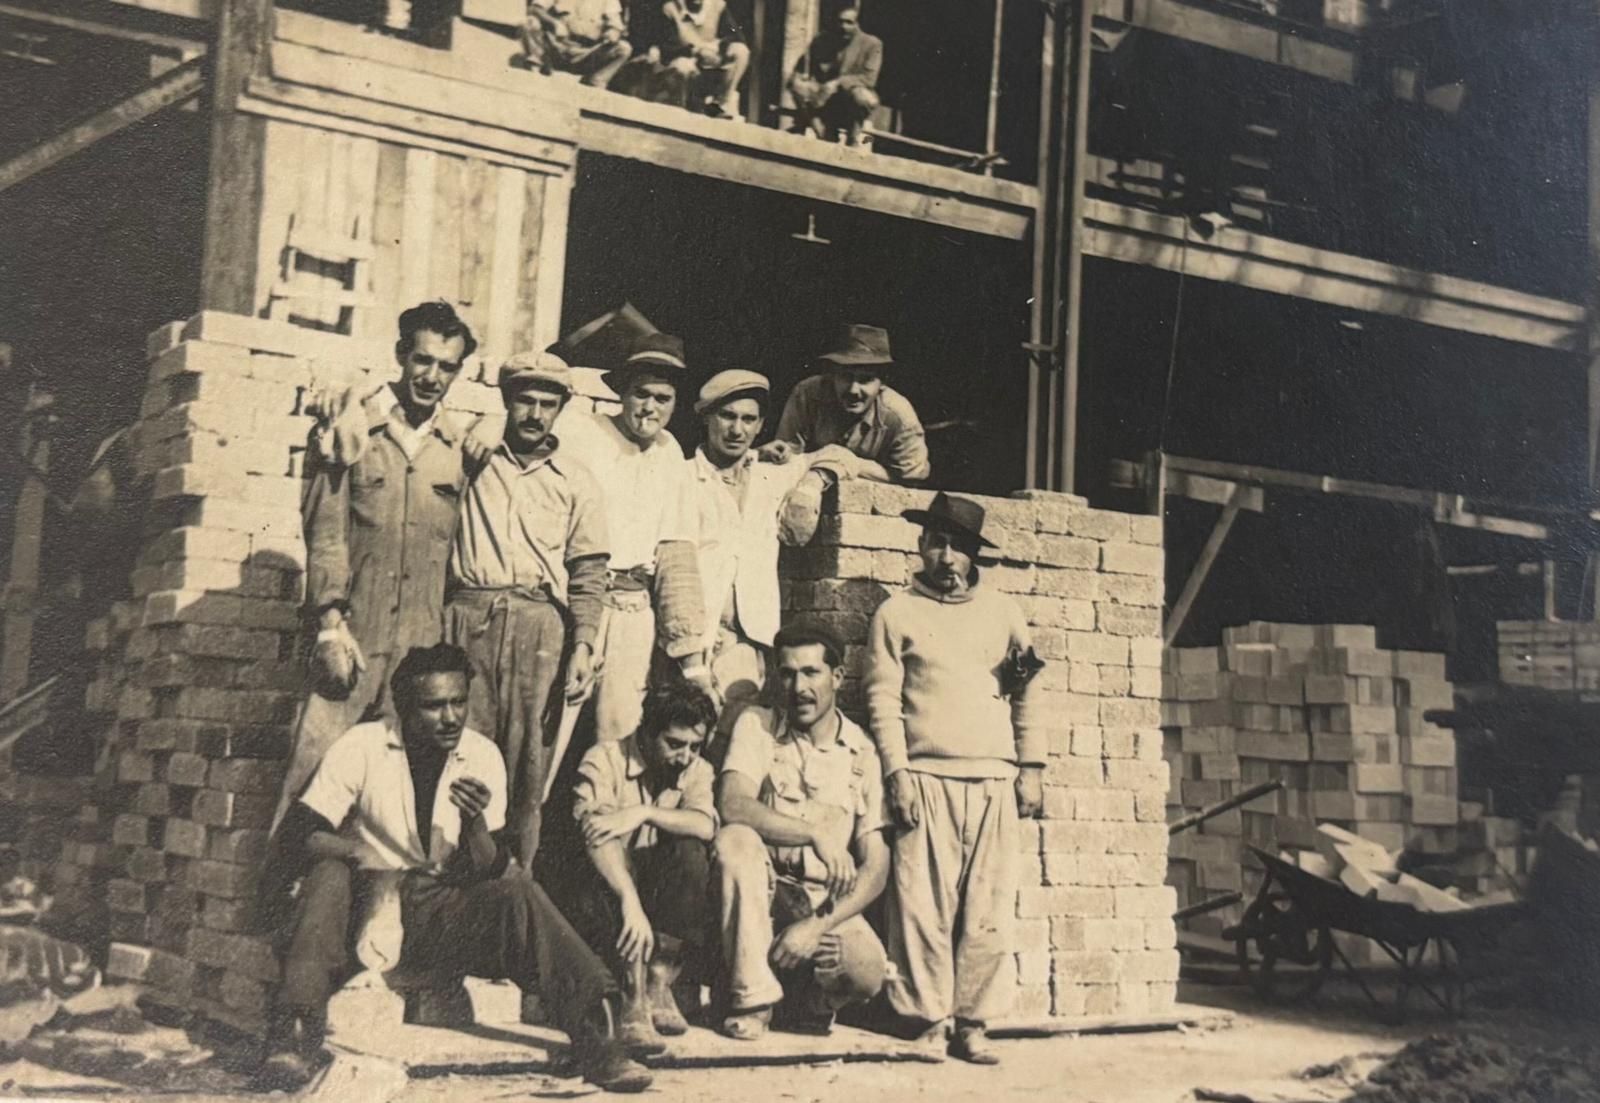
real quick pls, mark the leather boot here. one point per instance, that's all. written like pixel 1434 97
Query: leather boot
pixel 636 1031
pixel 664 1011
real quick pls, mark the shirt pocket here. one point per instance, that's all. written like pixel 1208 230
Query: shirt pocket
pixel 367 490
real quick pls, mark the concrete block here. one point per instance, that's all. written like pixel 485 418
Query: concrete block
pixel 184 838
pixel 1088 966
pixel 219 809
pixel 1145 529
pixel 1144 559
pixel 1127 620
pixel 1145 653
pixel 1130 713
pixel 1080 585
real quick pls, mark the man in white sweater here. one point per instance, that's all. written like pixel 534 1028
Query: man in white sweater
pixel 948 692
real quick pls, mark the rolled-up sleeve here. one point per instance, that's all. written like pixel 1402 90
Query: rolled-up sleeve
pixel 697 790
pixel 749 748
pixel 325 522
pixel 588 552
pixel 595 791
pixel 906 456
pixel 338 780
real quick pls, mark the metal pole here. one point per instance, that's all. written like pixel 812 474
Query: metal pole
pixel 992 128
pixel 1046 267
pixel 1072 278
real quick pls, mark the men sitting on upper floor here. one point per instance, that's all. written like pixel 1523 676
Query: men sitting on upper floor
pixel 585 37
pixel 643 816
pixel 849 404
pixel 801 798
pixel 835 82
pixel 704 52
pixel 352 839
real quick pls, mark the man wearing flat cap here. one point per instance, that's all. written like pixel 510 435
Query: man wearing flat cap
pixel 529 556
pixel 849 404
pixel 948 692
pixel 740 503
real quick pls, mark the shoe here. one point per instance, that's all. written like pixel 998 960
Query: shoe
pixel 288 1071
pixel 971 1044
pixel 933 1043
pixel 747 1026
pixel 608 1068
pixel 665 1015
pixel 636 1029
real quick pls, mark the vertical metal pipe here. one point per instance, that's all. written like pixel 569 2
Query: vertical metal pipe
pixel 1072 277
pixel 1591 574
pixel 1046 266
pixel 992 125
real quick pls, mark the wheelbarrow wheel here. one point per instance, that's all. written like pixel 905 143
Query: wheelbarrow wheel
pixel 1283 955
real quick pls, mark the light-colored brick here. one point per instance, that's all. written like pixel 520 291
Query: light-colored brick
pixel 1087 966
pixel 1145 902
pixel 1144 559
pixel 1097 648
pixel 184 838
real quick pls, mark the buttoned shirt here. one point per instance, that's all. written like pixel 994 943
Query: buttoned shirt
pixel 366 770
pixel 521 526
pixel 648 492
pixel 614 775
pixel 889 432
pixel 587 19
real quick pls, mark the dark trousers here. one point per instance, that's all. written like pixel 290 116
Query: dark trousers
pixel 503 929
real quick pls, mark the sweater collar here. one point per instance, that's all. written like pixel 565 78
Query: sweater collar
pixel 921 587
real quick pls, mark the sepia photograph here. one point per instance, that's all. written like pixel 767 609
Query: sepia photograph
pixel 810 551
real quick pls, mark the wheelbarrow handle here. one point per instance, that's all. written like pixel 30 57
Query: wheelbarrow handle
pixel 1195 819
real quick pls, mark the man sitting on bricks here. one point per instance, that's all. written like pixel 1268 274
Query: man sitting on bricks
pixel 835 82
pixel 353 835
pixel 583 37
pixel 802 849
pixel 644 816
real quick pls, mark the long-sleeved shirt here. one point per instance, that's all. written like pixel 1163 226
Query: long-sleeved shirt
pixel 536 527
pixel 934 690
pixel 378 530
pixel 854 64
pixel 889 432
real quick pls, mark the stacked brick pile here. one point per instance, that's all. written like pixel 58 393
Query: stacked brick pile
pixel 1559 655
pixel 1340 720
pixel 1096 935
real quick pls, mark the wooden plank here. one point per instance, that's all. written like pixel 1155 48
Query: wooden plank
pixel 363 184
pixel 505 278
pixel 174 86
pixel 281 146
pixel 27 541
pixel 416 228
pixel 236 175
pixel 535 219
pixel 444 271
pixel 388 221
pixel 201 10
pixel 163 43
pixel 477 235
pixel 1202 567
pixel 552 261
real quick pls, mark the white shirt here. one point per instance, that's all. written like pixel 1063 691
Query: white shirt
pixel 408 438
pixel 367 769
pixel 648 493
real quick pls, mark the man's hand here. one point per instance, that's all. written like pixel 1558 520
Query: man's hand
pixel 580 673
pixel 478 447
pixel 778 451
pixel 903 799
pixel 470 796
pixel 1030 792
pixel 611 34
pixel 798 943
pixel 709 56
pixel 698 674
pixel 836 858
pixel 602 828
pixel 637 941
pixel 337 662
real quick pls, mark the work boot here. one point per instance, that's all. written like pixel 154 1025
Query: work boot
pixel 971 1044
pixel 294 1042
pixel 749 1025
pixel 665 1014
pixel 933 1044
pixel 603 1061
pixel 637 1031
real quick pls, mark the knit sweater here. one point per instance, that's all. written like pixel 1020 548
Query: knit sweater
pixel 933 685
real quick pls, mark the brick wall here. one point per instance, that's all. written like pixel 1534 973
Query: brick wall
pixel 1096 935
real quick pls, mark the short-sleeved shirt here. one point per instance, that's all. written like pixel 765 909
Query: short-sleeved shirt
pixel 367 770
pixel 889 432
pixel 800 779
pixel 649 492
pixel 613 776
pixel 521 526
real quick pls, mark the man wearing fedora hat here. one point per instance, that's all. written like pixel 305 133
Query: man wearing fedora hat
pixel 850 405
pixel 653 586
pixel 529 554
pixel 948 690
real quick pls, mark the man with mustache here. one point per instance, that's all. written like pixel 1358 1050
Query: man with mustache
pixel 948 682
pixel 801 794
pixel 423 797
pixel 379 511
pixel 653 588
pixel 529 555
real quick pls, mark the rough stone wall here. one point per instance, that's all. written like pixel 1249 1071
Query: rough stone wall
pixel 1094 918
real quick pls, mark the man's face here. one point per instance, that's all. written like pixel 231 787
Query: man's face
pixel 647 406
pixel 733 427
pixel 673 749
pixel 809 684
pixel 428 370
pixel 437 711
pixel 530 412
pixel 856 389
pixel 946 560
pixel 849 23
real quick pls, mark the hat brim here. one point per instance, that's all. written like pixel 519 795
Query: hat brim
pixel 536 382
pixel 665 370
pixel 762 393
pixel 944 524
pixel 858 359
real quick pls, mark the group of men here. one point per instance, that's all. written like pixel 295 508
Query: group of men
pixel 692 53
pixel 476 588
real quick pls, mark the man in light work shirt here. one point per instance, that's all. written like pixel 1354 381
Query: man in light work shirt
pixel 948 682
pixel 585 37
pixel 531 544
pixel 801 794
pixel 423 797
pixel 379 513
pixel 653 587
pixel 645 812
pixel 850 405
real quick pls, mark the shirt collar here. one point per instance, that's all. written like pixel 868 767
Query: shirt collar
pixel 708 470
pixel 385 405
pixel 546 457
pixel 394 742
pixel 921 587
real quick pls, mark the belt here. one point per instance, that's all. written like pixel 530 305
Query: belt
pixel 632 579
pixel 500 598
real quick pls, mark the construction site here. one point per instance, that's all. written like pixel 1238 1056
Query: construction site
pixel 1264 331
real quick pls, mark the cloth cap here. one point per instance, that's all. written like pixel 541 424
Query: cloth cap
pixel 727 384
pixel 531 369
pixel 956 516
pixel 859 346
pixel 656 353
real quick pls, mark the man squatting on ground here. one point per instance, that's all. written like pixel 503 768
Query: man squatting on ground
pixel 948 682
pixel 459 914
pixel 835 82
pixel 801 798
pixel 379 512
pixel 530 551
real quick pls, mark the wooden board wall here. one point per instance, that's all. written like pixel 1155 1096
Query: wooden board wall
pixel 440 226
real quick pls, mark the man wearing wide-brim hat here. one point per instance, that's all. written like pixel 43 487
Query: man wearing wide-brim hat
pixel 850 404
pixel 653 580
pixel 529 555
pixel 948 690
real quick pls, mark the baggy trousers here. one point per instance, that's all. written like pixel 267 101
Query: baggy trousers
pixel 501 929
pixel 745 878
pixel 953 900
pixel 515 642
pixel 627 650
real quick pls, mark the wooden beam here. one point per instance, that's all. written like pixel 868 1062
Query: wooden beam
pixel 171 87
pixel 27 541
pixel 202 10
pixel 235 180
pixel 1202 567
pixel 165 43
